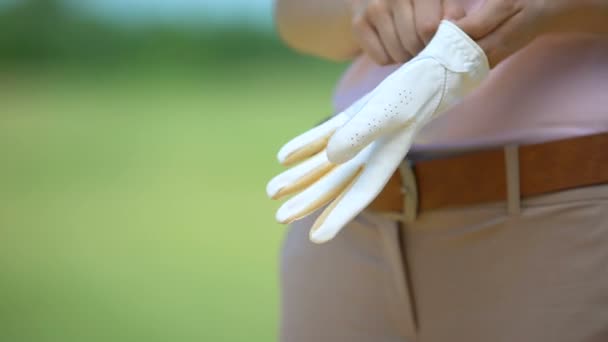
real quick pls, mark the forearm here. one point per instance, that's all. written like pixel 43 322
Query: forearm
pixel 587 16
pixel 317 27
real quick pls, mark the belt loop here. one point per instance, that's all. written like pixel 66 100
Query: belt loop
pixel 409 189
pixel 512 174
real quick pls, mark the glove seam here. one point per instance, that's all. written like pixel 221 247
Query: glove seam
pixel 443 93
pixel 466 43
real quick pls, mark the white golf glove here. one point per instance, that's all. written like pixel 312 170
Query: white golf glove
pixel 350 158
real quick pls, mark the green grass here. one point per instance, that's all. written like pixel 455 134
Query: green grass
pixel 132 203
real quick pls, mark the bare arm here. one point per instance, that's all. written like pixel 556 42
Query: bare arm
pixel 502 27
pixel 317 27
pixel 580 16
pixel 388 31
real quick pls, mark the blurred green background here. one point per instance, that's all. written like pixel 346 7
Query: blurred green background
pixel 134 153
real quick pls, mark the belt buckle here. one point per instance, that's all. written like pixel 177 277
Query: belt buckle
pixel 409 190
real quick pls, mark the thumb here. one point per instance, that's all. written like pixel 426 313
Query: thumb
pixel 489 17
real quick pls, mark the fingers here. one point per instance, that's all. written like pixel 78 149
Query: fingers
pixel 299 176
pixel 502 27
pixel 322 230
pixel 384 158
pixel 381 32
pixel 369 41
pixel 382 19
pixel 428 15
pixel 412 91
pixel 453 10
pixel 488 17
pixel 321 192
pixel 311 142
pixel 403 14
pixel 394 31
pixel 508 38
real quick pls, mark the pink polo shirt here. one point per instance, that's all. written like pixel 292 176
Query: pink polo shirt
pixel 555 88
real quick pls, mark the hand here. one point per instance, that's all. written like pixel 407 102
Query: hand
pixel 350 158
pixel 394 31
pixel 502 27
pixel 316 181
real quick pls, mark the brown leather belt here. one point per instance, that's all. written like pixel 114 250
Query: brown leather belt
pixel 480 177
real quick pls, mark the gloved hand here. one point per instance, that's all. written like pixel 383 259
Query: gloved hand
pixel 351 157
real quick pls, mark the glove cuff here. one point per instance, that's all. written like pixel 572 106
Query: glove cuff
pixel 455 50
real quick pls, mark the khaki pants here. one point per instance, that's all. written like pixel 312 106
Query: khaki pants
pixel 475 274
